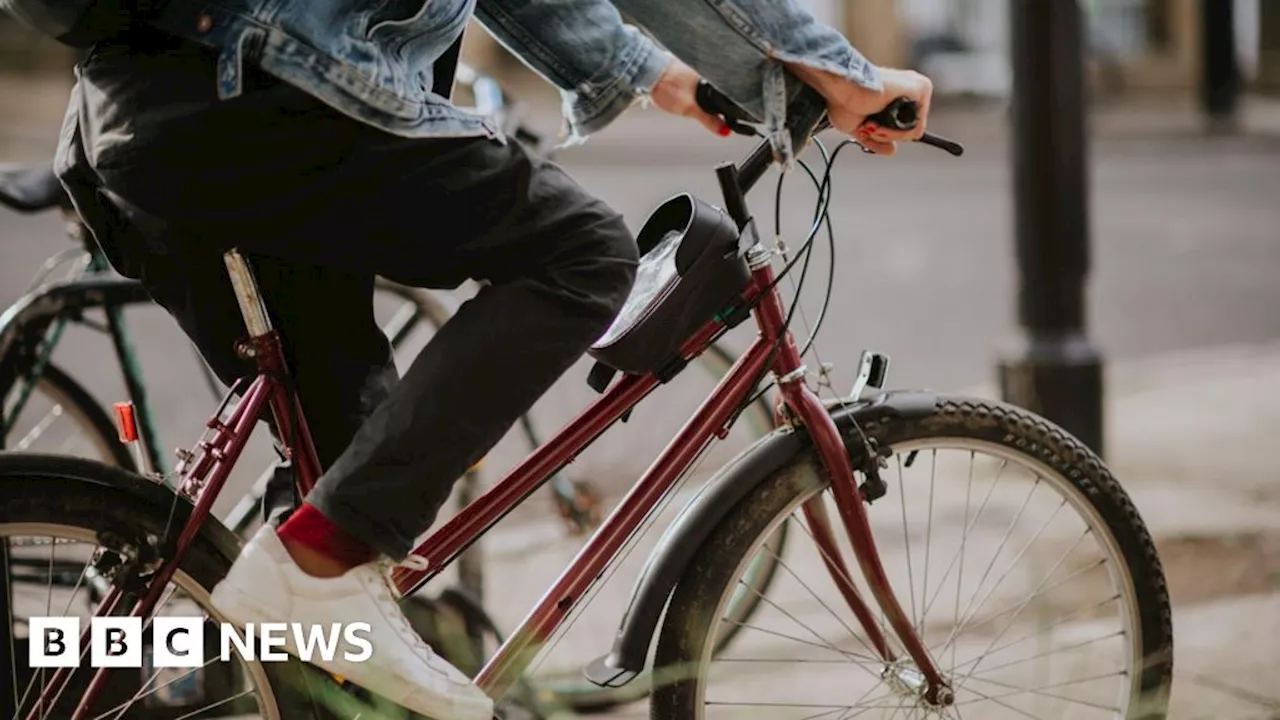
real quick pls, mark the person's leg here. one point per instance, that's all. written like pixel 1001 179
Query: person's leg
pixel 561 265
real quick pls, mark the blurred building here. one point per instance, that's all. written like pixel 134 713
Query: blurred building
pixel 1133 45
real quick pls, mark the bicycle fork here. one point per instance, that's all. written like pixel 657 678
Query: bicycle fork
pixel 809 411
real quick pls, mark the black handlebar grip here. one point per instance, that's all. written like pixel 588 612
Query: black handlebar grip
pixel 903 114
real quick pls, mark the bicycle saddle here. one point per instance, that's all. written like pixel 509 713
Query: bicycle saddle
pixel 690 270
pixel 29 188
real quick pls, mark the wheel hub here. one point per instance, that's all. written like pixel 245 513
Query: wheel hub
pixel 908 682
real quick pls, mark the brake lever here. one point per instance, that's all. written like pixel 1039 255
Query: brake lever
pixel 903 114
pixel 716 103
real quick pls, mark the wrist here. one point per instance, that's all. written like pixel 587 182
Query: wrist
pixel 840 91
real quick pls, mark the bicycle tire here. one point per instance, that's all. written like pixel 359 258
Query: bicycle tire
pixel 93 421
pixel 691 613
pixel 74 494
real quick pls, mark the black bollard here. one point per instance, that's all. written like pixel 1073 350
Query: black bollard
pixel 1055 371
pixel 1220 67
pixel 1269 48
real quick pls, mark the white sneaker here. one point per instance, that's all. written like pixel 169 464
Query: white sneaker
pixel 265 585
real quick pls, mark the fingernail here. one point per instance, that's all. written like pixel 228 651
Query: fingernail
pixel 725 131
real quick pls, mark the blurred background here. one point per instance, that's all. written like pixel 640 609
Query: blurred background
pixel 1122 280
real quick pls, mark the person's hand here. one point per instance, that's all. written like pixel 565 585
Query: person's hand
pixel 848 113
pixel 849 105
pixel 675 93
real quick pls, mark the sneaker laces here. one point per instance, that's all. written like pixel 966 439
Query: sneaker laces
pixel 389 595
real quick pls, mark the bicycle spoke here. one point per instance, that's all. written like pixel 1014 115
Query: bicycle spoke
pixel 75 589
pixel 797 621
pixel 1046 653
pixel 963 538
pixel 826 556
pixel 1020 711
pixel 36 431
pixel 124 706
pixel 814 706
pixel 815 596
pixel 823 714
pixel 906 541
pixel 857 704
pixel 928 545
pixel 1025 603
pixel 48 610
pixel 996 556
pixel 7 588
pixel 218 704
pixel 1040 690
pixel 823 646
pixel 1083 571
pixel 1069 617
pixel 968 528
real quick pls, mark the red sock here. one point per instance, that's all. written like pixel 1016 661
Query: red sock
pixel 308 526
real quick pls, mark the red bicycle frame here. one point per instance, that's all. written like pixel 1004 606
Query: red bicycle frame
pixel 773 350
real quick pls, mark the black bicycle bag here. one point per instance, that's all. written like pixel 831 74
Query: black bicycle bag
pixel 690 270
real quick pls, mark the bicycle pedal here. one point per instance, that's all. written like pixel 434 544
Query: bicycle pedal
pixel 873 370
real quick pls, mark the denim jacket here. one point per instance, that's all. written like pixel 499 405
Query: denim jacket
pixel 373 59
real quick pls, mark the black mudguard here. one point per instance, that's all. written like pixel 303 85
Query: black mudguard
pixel 25 321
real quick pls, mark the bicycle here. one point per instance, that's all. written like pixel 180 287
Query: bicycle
pixel 30 383
pixel 716 274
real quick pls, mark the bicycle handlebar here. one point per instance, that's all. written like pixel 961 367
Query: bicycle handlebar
pixel 806 116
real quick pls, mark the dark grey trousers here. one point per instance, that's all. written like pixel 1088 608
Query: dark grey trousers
pixel 321 204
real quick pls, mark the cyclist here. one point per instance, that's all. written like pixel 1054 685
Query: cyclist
pixel 309 135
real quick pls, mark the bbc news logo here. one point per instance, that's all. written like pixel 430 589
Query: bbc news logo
pixel 179 642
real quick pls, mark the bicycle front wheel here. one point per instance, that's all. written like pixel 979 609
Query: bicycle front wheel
pixel 1019 559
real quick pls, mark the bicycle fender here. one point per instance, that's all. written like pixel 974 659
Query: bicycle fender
pixel 36 465
pixel 32 313
pixel 704 512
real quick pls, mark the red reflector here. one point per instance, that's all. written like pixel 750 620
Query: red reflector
pixel 126 423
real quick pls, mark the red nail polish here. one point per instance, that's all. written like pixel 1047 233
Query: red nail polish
pixel 724 131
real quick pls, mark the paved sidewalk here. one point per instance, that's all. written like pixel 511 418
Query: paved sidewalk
pixel 1191 437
